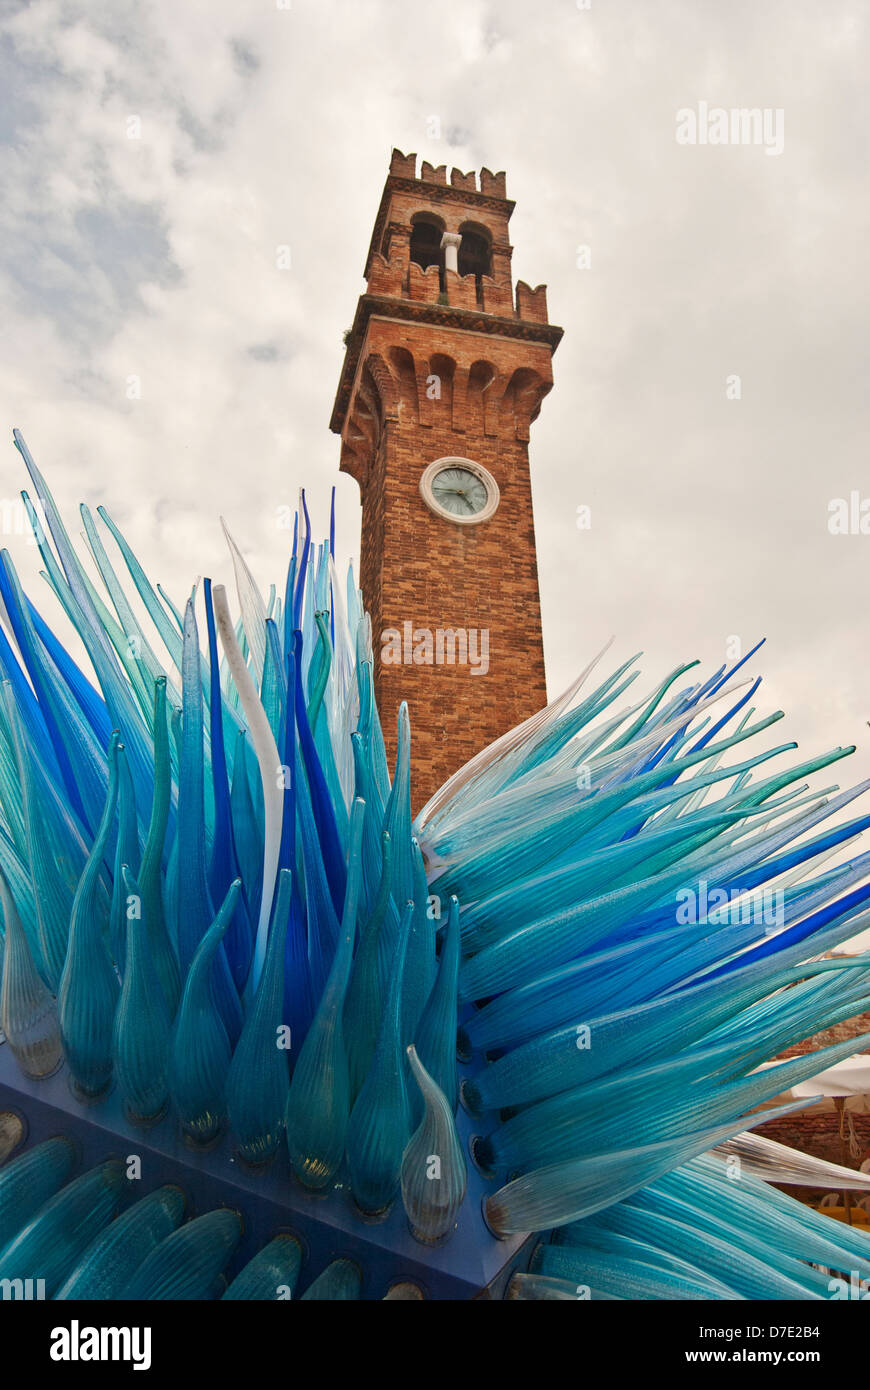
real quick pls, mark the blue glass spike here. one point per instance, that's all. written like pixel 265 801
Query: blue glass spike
pixel 224 865
pixel 89 700
pixel 324 815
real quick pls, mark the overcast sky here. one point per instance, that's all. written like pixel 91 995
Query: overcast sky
pixel 156 156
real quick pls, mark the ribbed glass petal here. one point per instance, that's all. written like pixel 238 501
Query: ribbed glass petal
pixel 54 1240
pixel 434 1172
pixel 150 874
pixel 224 866
pixel 381 1119
pixel 268 760
pixel 187 1264
pixel 258 1080
pixel 126 852
pixel 341 1280
pixel 55 854
pixel 140 1040
pixel 245 833
pixel 28 1013
pixel 564 1192
pixel 109 1264
pixel 88 992
pixel 319 1101
pixel 271 1274
pixel 436 1031
pixel 193 903
pixel 365 999
pixel 30 1180
pixel 420 963
pixel 199 1051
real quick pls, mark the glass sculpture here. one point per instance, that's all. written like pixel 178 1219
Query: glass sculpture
pixel 205 867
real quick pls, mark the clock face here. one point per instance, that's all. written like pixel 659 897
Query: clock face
pixel 459 490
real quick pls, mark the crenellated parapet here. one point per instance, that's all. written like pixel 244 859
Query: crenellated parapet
pixel 487 184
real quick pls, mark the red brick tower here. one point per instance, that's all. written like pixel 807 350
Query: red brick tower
pixel 444 372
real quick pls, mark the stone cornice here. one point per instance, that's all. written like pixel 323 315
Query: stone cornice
pixel 442 315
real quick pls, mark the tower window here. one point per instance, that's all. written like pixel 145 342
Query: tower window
pixel 475 255
pixel 426 233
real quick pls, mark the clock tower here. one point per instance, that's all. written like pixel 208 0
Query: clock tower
pixel 445 368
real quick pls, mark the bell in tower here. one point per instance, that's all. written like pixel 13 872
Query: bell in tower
pixel 445 369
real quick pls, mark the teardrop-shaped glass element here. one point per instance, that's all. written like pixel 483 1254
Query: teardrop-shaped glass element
pixel 28 1013
pixel 381 1120
pixel 187 1264
pixel 88 992
pixel 11 1133
pixel 341 1280
pixel 258 1079
pixel 141 1034
pixel 199 1052
pixel 55 1239
pixel 271 1274
pixel 29 1180
pixel 436 1033
pixel 319 1099
pixel 434 1172
pixel 110 1263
